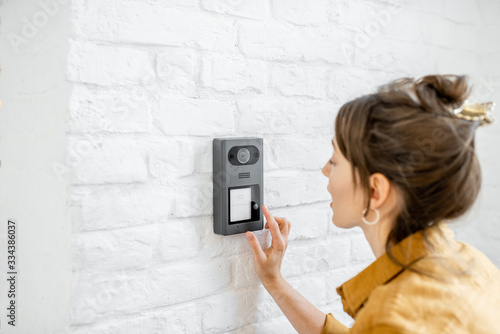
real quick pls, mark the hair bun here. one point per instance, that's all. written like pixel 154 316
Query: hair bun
pixel 442 93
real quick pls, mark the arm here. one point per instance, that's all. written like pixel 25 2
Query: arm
pixel 303 315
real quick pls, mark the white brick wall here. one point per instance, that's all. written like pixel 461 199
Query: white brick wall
pixel 129 239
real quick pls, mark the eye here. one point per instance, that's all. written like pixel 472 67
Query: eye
pixel 331 162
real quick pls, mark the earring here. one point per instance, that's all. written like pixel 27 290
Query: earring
pixel 367 222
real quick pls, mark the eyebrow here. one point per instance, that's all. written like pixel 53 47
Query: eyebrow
pixel 333 144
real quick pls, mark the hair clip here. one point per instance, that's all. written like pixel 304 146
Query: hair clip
pixel 476 111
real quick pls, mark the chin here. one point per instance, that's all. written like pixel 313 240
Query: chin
pixel 340 223
pixel 336 222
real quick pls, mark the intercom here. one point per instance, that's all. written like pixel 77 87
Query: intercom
pixel 238 184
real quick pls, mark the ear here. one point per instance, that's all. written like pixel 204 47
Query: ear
pixel 380 189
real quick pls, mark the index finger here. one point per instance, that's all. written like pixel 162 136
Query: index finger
pixel 277 240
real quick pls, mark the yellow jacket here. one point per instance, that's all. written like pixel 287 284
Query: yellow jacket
pixel 384 298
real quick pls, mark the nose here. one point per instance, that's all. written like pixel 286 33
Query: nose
pixel 324 170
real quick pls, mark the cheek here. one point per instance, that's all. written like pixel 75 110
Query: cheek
pixel 339 185
pixel 335 184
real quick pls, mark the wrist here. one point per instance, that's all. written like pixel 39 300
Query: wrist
pixel 273 283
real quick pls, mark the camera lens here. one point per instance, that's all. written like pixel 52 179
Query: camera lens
pixel 243 155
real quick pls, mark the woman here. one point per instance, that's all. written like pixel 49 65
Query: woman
pixel 404 163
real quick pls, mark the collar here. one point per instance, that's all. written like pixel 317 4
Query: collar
pixel 355 292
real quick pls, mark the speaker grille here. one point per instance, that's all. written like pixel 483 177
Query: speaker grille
pixel 244 175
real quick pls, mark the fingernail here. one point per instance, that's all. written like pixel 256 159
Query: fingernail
pixel 249 236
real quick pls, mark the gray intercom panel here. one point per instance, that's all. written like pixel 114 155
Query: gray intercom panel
pixel 238 184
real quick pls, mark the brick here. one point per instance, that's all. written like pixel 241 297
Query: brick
pixel 108 65
pixel 311 287
pixel 232 309
pixel 98 295
pixel 257 9
pixel 202 151
pixel 345 85
pixel 402 57
pixel 235 308
pixel 279 324
pixel 179 240
pixel 349 14
pixel 455 61
pixel 95 159
pixel 297 80
pixel 215 245
pixel 408 57
pixel 462 11
pixel 194 117
pixel 175 319
pixel 484 41
pixel 277 42
pixel 194 196
pixel 177 68
pixel 338 47
pixel 486 85
pixel 375 56
pixel 151 23
pixel 403 25
pixel 308 222
pixel 244 274
pixel 138 324
pixel 488 12
pixel 278 116
pixel 302 258
pixel 228 73
pixel 431 6
pixel 174 157
pixel 429 24
pixel 300 152
pixel 170 158
pixel 113 250
pixel 114 110
pixel 187 280
pixel 282 187
pixel 164 163
pixel 467 38
pixel 300 12
pixel 179 3
pixel 115 206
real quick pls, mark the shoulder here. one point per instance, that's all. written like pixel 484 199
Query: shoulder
pixel 403 302
pixel 482 264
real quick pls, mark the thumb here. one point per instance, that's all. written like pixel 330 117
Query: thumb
pixel 255 246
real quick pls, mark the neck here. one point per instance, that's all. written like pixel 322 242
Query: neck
pixel 376 236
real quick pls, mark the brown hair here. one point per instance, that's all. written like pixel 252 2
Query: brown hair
pixel 408 132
